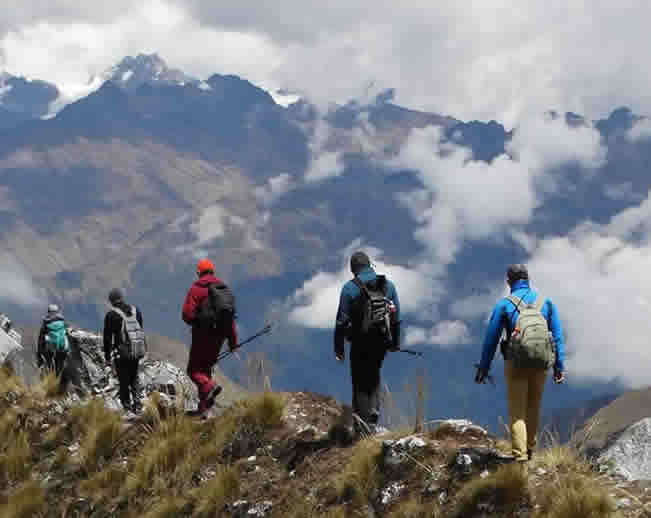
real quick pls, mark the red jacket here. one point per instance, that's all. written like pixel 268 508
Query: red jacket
pixel 204 338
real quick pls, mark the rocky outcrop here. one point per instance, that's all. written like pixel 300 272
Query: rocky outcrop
pixel 88 372
pixel 629 456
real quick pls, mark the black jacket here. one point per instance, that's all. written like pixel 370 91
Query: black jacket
pixel 113 328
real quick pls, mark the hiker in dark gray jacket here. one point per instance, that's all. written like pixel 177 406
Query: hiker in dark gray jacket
pixel 116 349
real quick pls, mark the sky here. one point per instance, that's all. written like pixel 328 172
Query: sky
pixel 510 61
pixel 481 60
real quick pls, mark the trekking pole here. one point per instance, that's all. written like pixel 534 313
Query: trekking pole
pixel 411 352
pixel 266 329
pixel 489 377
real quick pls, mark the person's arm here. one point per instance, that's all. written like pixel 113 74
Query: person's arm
pixel 233 337
pixel 108 337
pixel 139 317
pixel 40 346
pixel 189 311
pixel 556 328
pixel 342 323
pixel 392 295
pixel 492 338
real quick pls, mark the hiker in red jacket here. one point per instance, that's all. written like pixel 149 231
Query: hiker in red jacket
pixel 206 341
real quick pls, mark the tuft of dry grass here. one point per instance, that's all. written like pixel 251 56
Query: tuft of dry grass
pixel 49 386
pixel 169 508
pixel 164 457
pixel 15 460
pixel 561 458
pixel 28 501
pixel 264 411
pixel 213 495
pixel 506 488
pixel 413 508
pixel 100 430
pixel 575 495
pixel 361 475
pixel 103 484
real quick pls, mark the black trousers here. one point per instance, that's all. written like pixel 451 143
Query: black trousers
pixel 127 372
pixel 366 358
pixel 55 361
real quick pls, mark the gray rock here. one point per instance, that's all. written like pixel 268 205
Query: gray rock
pixel 390 492
pixel 630 454
pixel 395 452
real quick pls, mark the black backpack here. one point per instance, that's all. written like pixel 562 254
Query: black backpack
pixel 374 314
pixel 217 310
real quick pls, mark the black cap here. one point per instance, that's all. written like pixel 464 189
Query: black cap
pixel 358 262
pixel 115 295
pixel 517 272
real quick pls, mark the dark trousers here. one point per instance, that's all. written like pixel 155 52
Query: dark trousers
pixel 55 361
pixel 366 359
pixel 127 372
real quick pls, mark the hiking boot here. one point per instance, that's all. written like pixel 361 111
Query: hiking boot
pixel 524 467
pixel 529 454
pixel 212 395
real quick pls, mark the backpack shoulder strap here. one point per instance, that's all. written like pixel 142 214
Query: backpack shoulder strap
pixel 539 303
pixel 516 301
pixel 119 312
pixel 362 287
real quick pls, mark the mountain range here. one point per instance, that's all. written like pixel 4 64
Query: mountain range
pixel 131 184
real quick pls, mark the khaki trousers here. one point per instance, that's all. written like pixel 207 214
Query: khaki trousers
pixel 525 388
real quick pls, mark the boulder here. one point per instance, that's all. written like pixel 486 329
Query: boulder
pixel 630 454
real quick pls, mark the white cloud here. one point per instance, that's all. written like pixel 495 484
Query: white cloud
pixel 465 199
pixel 326 164
pixel 274 188
pixel 641 130
pixel 17 284
pixel 487 62
pixel 210 224
pixel 315 303
pixel 444 334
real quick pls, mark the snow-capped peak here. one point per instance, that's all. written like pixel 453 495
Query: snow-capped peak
pixel 132 72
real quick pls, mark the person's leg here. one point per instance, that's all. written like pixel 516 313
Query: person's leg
pixel 537 379
pixel 122 371
pixel 134 384
pixel 517 384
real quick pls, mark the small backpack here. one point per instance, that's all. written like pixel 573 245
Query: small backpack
pixel 217 310
pixel 375 312
pixel 56 337
pixel 531 344
pixel 133 344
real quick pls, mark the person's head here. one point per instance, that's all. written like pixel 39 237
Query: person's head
pixel 115 296
pixel 358 262
pixel 205 267
pixel 516 272
pixel 52 308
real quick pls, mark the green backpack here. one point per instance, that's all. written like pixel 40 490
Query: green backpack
pixel 56 337
pixel 531 345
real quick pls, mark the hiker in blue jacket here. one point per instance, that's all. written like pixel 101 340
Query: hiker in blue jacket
pixel 368 348
pixel 525 385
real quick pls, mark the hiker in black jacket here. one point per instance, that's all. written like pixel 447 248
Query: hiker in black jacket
pixel 114 337
pixel 368 347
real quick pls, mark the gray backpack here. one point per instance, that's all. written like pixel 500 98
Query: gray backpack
pixel 531 345
pixel 133 344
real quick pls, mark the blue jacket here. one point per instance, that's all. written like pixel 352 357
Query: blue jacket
pixel 349 293
pixel 505 316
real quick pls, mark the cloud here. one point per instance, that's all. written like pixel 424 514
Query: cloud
pixel 446 333
pixel 641 130
pixel 275 188
pixel 18 287
pixel 489 62
pixel 314 305
pixel 464 199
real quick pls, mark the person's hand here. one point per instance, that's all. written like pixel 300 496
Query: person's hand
pixel 559 376
pixel 340 354
pixel 481 375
